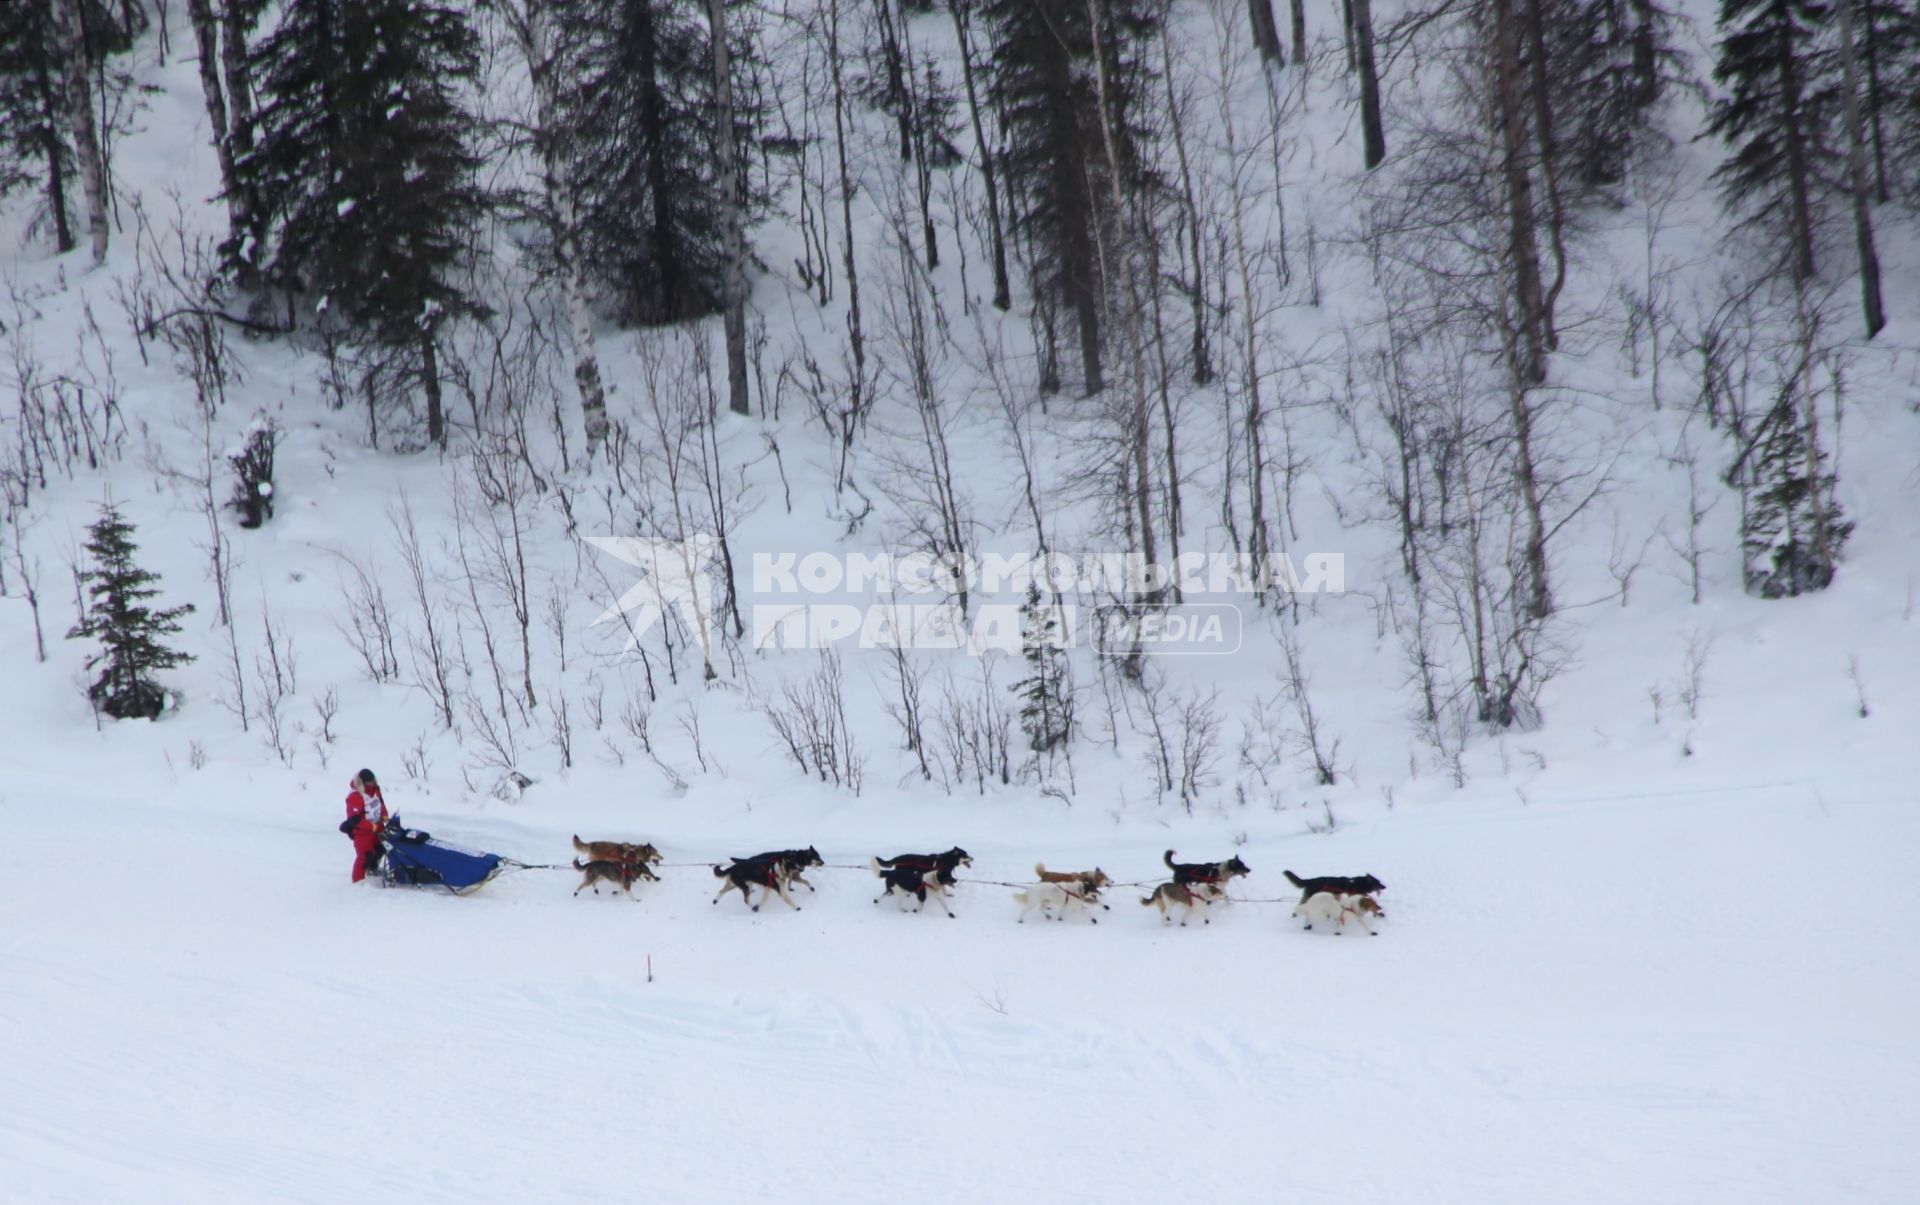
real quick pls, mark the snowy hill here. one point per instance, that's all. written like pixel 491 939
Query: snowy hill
pixel 1650 942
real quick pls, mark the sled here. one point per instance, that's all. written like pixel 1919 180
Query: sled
pixel 415 859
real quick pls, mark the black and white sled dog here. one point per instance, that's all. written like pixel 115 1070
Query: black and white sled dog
pixel 1339 884
pixel 770 875
pixel 1208 880
pixel 792 863
pixel 911 881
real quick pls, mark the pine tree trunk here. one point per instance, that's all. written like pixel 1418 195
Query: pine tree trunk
pixel 1791 119
pixel 1299 13
pixel 530 28
pixel 856 331
pixel 1857 176
pixel 79 114
pixel 922 160
pixel 1539 596
pixel 1522 244
pixel 206 36
pixel 55 151
pixel 731 220
pixel 1078 209
pixel 1266 30
pixel 896 84
pixel 1201 352
pixel 239 81
pixel 1543 135
pixel 430 381
pixel 668 304
pixel 962 27
pixel 1876 103
pixel 1646 63
pixel 1127 233
pixel 1526 355
pixel 1247 309
pixel 1371 130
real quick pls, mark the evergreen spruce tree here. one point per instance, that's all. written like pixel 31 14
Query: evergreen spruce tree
pixel 1791 526
pixel 36 146
pixel 1043 83
pixel 1046 693
pixel 637 122
pixel 1601 105
pixel 363 164
pixel 1774 62
pixel 130 633
pixel 33 145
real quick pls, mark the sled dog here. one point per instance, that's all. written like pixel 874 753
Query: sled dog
pixel 792 862
pixel 911 881
pixel 617 851
pixel 1208 879
pixel 744 874
pixel 1091 881
pixel 1364 884
pixel 1055 900
pixel 1326 907
pixel 1168 896
pixel 600 870
pixel 941 866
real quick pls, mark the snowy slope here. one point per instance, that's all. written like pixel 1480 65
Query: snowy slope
pixel 1668 1000
pixel 1652 952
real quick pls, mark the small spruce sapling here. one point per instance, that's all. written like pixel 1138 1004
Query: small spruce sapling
pixel 1046 694
pixel 129 631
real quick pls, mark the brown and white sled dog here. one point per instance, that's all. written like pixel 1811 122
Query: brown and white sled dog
pixel 1055 900
pixel 1169 896
pixel 600 870
pixel 1335 910
pixel 618 851
pixel 914 881
pixel 1091 882
pixel 769 875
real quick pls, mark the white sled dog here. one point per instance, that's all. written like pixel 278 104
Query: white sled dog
pixel 1329 908
pixel 1054 900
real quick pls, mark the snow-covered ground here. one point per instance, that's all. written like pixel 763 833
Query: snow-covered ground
pixel 1693 998
pixel 1662 949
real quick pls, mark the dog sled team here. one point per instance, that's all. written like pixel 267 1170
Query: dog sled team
pixel 1331 902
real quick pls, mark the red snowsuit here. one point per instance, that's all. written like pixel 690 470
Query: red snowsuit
pixel 368 814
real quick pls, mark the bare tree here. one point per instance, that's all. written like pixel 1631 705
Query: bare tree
pixel 1858 184
pixel 527 21
pixel 733 217
pixel 431 647
pixel 69 32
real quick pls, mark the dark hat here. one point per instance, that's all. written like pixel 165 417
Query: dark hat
pixel 367 776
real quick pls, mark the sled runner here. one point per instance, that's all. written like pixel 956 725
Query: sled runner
pixel 415 859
